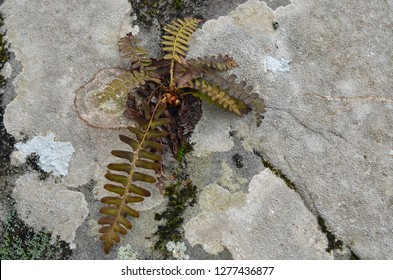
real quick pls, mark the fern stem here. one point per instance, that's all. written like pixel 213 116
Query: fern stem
pixel 186 93
pixel 171 80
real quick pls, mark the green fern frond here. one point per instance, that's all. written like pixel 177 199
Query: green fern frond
pixel 119 88
pixel 137 55
pixel 196 68
pixel 220 63
pixel 145 155
pixel 177 37
pixel 241 92
pixel 218 96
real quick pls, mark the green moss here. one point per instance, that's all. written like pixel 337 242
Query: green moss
pixel 183 150
pixel 3 52
pixel 145 10
pixel 21 242
pixel 179 4
pixel 279 173
pixel 180 194
pixel 333 242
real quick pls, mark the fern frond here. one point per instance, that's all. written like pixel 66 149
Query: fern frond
pixel 177 37
pixel 137 55
pixel 119 88
pixel 218 96
pixel 220 63
pixel 241 92
pixel 145 155
pixel 196 68
pixel 175 43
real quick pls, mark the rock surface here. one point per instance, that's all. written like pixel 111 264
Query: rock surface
pixel 329 120
pixel 269 222
pixel 324 70
pixel 51 206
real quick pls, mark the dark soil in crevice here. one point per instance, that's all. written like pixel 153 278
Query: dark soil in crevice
pixel 162 12
pixel 7 141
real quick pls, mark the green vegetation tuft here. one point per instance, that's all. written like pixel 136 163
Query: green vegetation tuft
pixel 180 194
pixel 279 173
pixel 21 242
pixel 183 150
pixel 179 4
pixel 3 52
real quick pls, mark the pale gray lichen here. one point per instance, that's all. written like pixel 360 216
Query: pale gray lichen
pixel 230 179
pixel 277 65
pixel 126 253
pixel 178 250
pixel 54 156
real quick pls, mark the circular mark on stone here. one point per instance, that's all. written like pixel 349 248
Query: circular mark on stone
pixel 91 111
pixel 237 160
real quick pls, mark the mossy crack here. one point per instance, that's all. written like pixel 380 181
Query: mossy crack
pixel 21 242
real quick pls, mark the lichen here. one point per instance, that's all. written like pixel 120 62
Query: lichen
pixel 229 179
pixel 54 156
pixel 21 242
pixel 178 250
pixel 126 253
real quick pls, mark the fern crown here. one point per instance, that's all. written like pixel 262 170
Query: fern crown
pixel 153 92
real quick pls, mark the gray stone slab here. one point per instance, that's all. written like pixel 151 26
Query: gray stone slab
pixel 268 222
pixel 329 120
pixel 328 124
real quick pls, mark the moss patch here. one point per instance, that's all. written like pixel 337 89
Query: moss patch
pixel 4 55
pixel 183 150
pixel 145 10
pixel 21 242
pixel 180 194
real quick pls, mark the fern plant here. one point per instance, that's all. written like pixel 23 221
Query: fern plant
pixel 155 91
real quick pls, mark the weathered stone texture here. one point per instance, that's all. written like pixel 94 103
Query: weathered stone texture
pixel 329 120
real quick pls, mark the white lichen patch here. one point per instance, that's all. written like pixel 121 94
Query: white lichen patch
pixel 276 65
pixel 178 250
pixel 126 253
pixel 54 155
